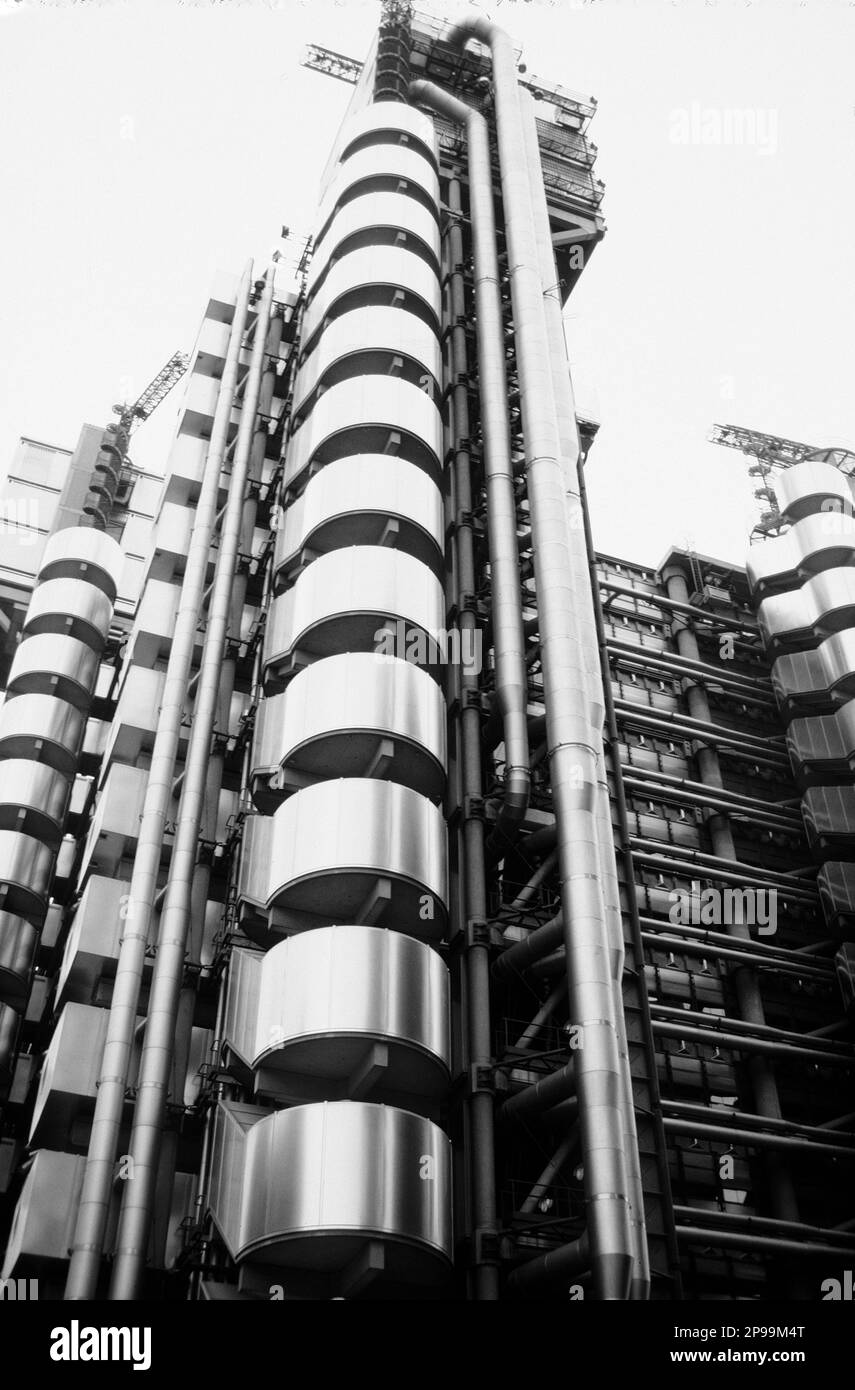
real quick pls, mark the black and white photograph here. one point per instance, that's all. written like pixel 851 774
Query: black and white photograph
pixel 427 675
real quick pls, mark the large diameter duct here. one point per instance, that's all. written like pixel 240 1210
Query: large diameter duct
pixel 572 731
pixel 589 644
pixel 113 1078
pixel 507 610
pixel 506 591
pixel 158 1046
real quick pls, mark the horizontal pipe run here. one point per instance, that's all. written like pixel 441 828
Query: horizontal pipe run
pixel 756 948
pixel 741 1119
pixel 717 860
pixel 739 958
pixel 790 812
pixel 676 606
pixel 691 868
pixel 763 1245
pixel 712 802
pixel 755 1030
pixel 749 745
pixel 760 1139
pixel 675 663
pixel 546 966
pixel 735 1042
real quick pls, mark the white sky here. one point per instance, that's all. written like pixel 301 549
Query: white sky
pixel 143 145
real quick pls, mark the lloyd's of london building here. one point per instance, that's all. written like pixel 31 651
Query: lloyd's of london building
pixel 518 969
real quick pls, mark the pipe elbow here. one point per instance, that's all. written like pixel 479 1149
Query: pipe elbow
pixel 420 90
pixel 428 94
pixel 473 27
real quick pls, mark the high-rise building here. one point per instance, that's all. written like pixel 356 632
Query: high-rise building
pixel 401 899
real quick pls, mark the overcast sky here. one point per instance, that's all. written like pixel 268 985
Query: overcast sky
pixel 145 144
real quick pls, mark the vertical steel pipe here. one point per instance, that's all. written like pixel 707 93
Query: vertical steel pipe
pixel 572 730
pixel 95 1196
pixel 159 1041
pixel 485 1274
pixel 506 593
pixel 584 611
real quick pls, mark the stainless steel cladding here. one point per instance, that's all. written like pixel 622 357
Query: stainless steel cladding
pixel 19 941
pixel 374 275
pixel 362 216
pixel 341 602
pixel 43 728
pixel 51 665
pixel 803 584
pixel 353 850
pixel 71 607
pixel 304 1017
pixel 349 715
pixel 50 688
pixel 33 798
pixel 381 165
pixel 306 1188
pixel 348 859
pixel 369 415
pixel 81 552
pixel 823 746
pixel 823 605
pixel 369 499
pixel 812 545
pixel 815 681
pixel 812 487
pixel 373 332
